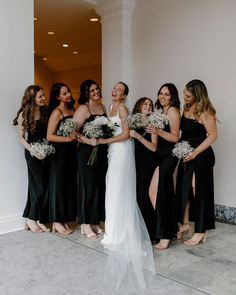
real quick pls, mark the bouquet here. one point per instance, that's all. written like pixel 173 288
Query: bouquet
pixel 135 121
pixel 68 126
pixel 181 150
pixel 158 120
pixel 41 149
pixel 101 126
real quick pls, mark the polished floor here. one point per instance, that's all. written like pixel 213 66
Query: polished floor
pixel 33 264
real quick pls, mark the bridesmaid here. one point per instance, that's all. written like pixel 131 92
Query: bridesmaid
pixel 161 189
pixel 195 188
pixel 32 121
pixel 63 168
pixel 145 147
pixel 91 182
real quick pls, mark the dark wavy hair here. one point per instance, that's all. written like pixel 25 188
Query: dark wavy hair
pixel 54 93
pixel 198 89
pixel 126 91
pixel 174 96
pixel 28 109
pixel 139 103
pixel 84 91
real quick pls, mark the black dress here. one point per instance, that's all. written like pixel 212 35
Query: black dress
pixel 165 213
pixel 62 185
pixel 145 161
pixel 91 182
pixel 202 205
pixel 37 202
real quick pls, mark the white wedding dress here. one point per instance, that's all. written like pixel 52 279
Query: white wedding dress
pixel 130 262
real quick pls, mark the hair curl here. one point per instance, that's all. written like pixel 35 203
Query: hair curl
pixel 84 91
pixel 139 103
pixel 55 92
pixel 28 110
pixel 199 91
pixel 174 96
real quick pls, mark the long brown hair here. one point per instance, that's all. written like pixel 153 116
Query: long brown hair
pixel 139 103
pixel 28 109
pixel 198 89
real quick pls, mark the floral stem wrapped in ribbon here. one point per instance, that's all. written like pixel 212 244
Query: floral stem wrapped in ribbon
pixel 101 126
pixel 67 127
pixel 41 149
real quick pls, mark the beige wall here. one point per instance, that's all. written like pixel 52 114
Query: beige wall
pixel 176 41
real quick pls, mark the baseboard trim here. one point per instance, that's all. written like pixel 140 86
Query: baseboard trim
pixel 11 224
pixel 225 214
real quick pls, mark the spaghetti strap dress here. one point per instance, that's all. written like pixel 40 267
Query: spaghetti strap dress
pixel 63 181
pixel 202 205
pixel 91 181
pixel 165 212
pixel 37 203
pixel 145 161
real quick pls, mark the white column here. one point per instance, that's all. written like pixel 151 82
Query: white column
pixel 17 72
pixel 116 43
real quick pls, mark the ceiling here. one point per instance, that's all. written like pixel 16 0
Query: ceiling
pixel 70 20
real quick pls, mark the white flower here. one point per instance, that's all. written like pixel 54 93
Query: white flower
pixel 68 126
pixel 158 120
pixel 41 149
pixel 135 121
pixel 182 149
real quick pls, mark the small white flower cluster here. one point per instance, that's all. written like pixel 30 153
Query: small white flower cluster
pixel 182 149
pixel 156 119
pixel 95 128
pixel 41 149
pixel 135 121
pixel 68 126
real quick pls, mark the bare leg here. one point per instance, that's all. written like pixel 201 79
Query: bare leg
pixel 153 188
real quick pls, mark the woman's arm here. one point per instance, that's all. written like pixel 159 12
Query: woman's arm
pixel 123 111
pixel 209 122
pixel 80 116
pixel 174 122
pixel 22 140
pixel 151 145
pixel 54 119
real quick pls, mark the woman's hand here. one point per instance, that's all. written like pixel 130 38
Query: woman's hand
pixel 93 141
pixel 38 157
pixel 152 129
pixel 134 134
pixel 190 157
pixel 71 137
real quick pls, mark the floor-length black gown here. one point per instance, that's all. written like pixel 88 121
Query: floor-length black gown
pixel 63 181
pixel 202 205
pixel 165 213
pixel 145 161
pixel 37 202
pixel 91 182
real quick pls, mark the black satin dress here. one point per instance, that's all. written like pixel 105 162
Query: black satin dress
pixel 165 213
pixel 145 161
pixel 202 205
pixel 63 181
pixel 91 182
pixel 37 207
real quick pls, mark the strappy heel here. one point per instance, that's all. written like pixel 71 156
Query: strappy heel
pixel 87 230
pixel 163 244
pixel 61 231
pixel 37 230
pixel 98 229
pixel 185 228
pixel 201 238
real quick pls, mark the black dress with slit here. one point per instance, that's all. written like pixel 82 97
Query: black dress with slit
pixel 165 212
pixel 37 203
pixel 63 181
pixel 145 161
pixel 202 205
pixel 91 182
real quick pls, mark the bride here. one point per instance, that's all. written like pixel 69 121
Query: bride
pixel 130 261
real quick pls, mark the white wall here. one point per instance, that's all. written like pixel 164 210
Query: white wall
pixel 176 41
pixel 17 66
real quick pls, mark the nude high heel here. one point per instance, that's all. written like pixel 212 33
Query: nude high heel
pixel 185 228
pixel 201 238
pixel 163 244
pixel 87 230
pixel 37 230
pixel 61 231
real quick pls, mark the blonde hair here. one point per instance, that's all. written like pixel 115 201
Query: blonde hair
pixel 198 89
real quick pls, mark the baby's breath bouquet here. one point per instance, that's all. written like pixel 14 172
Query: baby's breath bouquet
pixel 156 119
pixel 101 126
pixel 135 121
pixel 41 149
pixel 182 149
pixel 68 126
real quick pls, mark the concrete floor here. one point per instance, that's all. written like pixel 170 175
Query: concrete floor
pixel 33 264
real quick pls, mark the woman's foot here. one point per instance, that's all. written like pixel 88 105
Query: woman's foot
pixel 87 230
pixel 185 228
pixel 43 227
pixel 67 228
pixel 32 225
pixel 163 244
pixel 196 239
pixel 98 229
pixel 58 227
